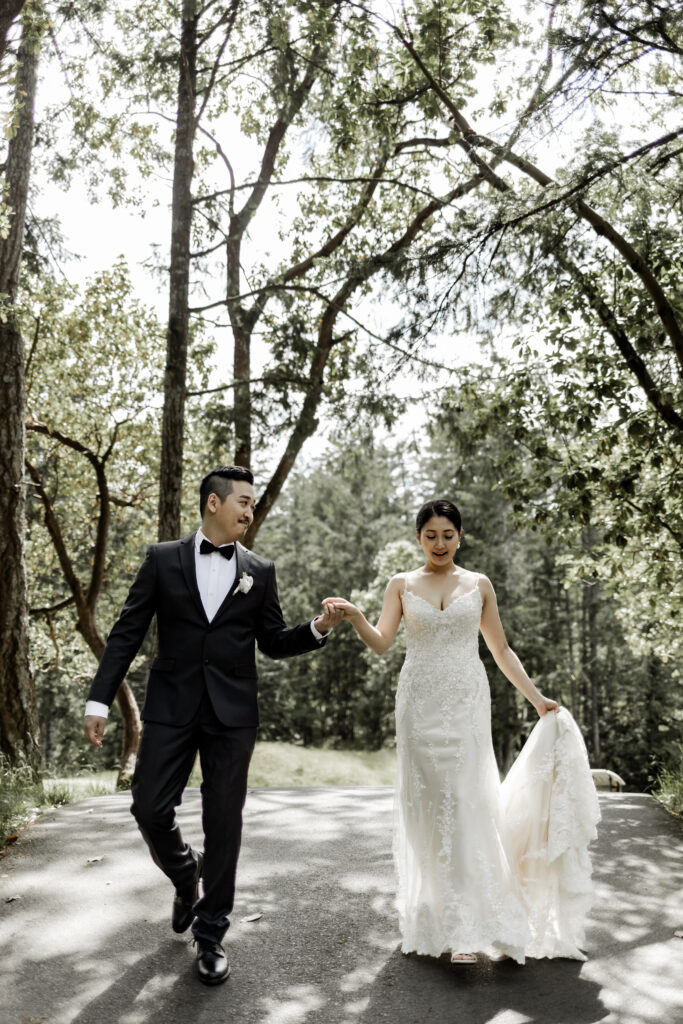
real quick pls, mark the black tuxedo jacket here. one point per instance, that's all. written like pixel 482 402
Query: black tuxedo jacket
pixel 194 653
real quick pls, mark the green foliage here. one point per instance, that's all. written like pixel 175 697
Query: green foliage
pixel 567 466
pixel 376 701
pixel 93 377
pixel 345 526
pixel 583 612
pixel 21 798
pixel 604 41
pixel 670 785
pixel 324 537
pixel 317 149
pixel 562 442
pixel 567 632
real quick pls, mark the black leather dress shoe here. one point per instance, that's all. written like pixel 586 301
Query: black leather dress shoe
pixel 212 963
pixel 183 902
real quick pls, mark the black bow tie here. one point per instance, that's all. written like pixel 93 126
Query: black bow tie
pixel 226 550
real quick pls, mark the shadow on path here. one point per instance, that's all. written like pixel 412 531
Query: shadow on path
pixel 90 942
pixel 417 989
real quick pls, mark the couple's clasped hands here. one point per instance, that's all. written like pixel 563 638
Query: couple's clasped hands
pixel 335 609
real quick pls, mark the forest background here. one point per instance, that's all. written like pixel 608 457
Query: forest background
pixel 390 252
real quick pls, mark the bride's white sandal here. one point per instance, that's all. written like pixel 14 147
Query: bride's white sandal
pixel 463 958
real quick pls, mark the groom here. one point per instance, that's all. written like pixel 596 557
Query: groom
pixel 214 601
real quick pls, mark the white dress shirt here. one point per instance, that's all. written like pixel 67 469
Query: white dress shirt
pixel 215 575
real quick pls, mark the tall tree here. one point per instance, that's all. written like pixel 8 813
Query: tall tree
pixel 18 713
pixel 92 379
pixel 274 88
pixel 175 380
pixel 356 220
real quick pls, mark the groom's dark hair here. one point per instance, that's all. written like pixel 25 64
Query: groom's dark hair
pixel 220 481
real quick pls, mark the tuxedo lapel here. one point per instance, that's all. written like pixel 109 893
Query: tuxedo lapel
pixel 187 562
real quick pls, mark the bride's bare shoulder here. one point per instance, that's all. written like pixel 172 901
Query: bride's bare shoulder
pixel 470 577
pixel 397 582
pixel 481 581
pixel 402 579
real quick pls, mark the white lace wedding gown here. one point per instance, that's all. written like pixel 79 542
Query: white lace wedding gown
pixel 483 866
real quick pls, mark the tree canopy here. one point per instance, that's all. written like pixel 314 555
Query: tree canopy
pixel 357 194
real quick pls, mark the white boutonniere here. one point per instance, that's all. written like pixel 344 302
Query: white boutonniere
pixel 245 584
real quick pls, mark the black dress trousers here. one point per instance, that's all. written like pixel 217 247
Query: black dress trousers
pixel 165 760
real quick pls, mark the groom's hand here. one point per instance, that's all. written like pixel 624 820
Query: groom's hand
pixel 330 618
pixel 93 727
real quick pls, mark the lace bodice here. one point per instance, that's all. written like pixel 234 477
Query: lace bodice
pixel 442 649
pixel 455 628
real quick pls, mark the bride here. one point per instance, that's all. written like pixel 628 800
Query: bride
pixel 482 867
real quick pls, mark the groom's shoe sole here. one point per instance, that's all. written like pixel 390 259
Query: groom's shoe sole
pixel 183 912
pixel 213 980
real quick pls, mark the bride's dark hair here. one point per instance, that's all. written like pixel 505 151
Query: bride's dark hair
pixel 438 507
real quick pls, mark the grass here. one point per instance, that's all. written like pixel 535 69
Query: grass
pixel 670 790
pixel 21 798
pixel 273 765
pixel 69 789
pixel 285 764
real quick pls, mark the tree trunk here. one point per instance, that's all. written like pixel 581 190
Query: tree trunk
pixel 594 675
pixel 242 374
pixel 18 711
pixel 589 672
pixel 572 660
pixel 243 321
pixel 173 423
pixel 583 677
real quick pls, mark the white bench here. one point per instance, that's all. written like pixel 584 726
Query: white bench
pixel 605 779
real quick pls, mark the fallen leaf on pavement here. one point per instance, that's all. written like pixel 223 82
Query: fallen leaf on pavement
pixel 11 899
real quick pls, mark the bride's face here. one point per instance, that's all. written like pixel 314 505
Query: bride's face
pixel 439 540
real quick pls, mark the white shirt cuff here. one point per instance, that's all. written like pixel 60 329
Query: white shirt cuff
pixel 316 632
pixel 93 707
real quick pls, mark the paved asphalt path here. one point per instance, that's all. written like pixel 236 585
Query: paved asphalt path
pixel 89 940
